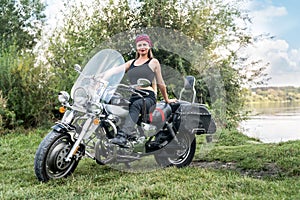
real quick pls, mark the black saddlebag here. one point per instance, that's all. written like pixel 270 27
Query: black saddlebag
pixel 160 115
pixel 194 118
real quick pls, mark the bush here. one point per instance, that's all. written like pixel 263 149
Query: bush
pixel 7 117
pixel 27 88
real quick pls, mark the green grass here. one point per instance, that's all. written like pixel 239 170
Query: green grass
pixel 281 159
pixel 92 181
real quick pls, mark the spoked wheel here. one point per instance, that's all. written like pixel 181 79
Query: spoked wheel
pixel 177 155
pixel 49 161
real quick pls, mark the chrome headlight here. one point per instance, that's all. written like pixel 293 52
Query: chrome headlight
pixel 95 108
pixel 63 97
pixel 80 96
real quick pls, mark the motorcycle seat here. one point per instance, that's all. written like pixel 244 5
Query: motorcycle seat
pixel 174 106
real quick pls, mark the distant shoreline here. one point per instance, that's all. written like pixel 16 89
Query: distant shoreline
pixel 266 102
pixel 272 94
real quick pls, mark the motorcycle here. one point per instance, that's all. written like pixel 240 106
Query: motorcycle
pixel 97 108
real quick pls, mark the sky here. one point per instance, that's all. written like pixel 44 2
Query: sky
pixel 279 18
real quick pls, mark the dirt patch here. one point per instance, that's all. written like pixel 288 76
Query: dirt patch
pixel 270 169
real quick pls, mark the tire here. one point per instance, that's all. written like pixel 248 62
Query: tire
pixel 49 158
pixel 177 157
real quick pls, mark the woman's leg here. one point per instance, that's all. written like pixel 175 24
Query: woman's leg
pixel 135 110
pixel 128 129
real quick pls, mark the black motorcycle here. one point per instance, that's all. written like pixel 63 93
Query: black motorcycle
pixel 97 110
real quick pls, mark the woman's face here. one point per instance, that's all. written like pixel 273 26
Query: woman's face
pixel 142 47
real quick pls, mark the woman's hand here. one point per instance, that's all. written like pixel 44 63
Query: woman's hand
pixel 171 101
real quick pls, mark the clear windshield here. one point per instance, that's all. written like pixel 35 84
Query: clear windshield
pixel 100 76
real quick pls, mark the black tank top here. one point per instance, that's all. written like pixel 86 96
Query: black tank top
pixel 142 71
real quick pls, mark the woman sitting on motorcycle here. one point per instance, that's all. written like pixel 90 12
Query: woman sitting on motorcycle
pixel 147 67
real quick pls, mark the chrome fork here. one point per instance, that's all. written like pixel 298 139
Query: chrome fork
pixel 75 147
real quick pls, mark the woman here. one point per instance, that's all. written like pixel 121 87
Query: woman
pixel 147 67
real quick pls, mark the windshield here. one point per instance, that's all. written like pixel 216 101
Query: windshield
pixel 95 79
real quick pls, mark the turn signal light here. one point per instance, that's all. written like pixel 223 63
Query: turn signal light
pixel 62 109
pixel 96 121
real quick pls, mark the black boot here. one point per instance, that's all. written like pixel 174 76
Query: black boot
pixel 120 139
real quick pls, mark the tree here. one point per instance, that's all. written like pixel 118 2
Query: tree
pixel 21 81
pixel 213 25
pixel 210 25
pixel 85 27
pixel 21 22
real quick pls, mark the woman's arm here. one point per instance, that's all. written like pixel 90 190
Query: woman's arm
pixel 107 74
pixel 127 64
pixel 160 81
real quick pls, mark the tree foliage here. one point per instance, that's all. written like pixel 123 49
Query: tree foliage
pixel 25 89
pixel 21 83
pixel 273 94
pixel 21 22
pixel 211 25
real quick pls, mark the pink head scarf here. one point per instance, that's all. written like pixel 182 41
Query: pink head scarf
pixel 143 37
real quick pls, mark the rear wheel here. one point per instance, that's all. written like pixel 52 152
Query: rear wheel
pixel 180 156
pixel 49 161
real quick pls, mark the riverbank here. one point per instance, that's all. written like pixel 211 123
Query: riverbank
pixel 273 94
pixel 235 167
pixel 273 122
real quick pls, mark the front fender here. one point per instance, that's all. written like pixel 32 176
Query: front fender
pixel 62 128
pixel 65 129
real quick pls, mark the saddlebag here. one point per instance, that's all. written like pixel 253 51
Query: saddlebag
pixel 160 115
pixel 194 118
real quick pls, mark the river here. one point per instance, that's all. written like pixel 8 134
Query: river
pixel 273 122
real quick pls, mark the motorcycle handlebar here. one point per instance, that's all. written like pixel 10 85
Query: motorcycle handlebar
pixel 134 90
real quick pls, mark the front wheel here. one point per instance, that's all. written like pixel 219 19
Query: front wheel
pixel 49 161
pixel 181 156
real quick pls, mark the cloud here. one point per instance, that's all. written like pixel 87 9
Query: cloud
pixel 286 79
pixel 264 19
pixel 284 62
pixel 269 12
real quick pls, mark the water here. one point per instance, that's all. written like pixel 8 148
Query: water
pixel 273 122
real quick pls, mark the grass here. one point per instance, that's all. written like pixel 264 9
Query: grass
pixel 92 181
pixel 278 159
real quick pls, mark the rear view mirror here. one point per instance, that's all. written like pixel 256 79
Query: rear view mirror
pixel 143 82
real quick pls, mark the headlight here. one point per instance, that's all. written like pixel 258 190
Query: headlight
pixel 95 108
pixel 80 96
pixel 63 97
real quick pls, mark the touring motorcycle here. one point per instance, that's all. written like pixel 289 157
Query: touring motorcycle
pixel 97 108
